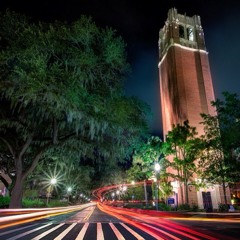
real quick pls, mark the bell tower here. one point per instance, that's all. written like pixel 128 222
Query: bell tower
pixel 186 89
pixel 185 79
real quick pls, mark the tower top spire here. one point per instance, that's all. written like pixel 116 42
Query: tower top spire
pixel 182 30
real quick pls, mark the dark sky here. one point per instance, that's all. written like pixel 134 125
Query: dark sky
pixel 139 22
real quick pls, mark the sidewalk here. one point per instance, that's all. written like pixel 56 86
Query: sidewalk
pixel 213 214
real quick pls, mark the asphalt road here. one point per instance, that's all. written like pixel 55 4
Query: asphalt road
pixel 222 228
pixel 90 223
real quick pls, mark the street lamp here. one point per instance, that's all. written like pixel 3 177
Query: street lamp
pixel 124 188
pixel 53 182
pixel 113 194
pixel 157 168
pixel 69 190
pixel 118 193
pixel 133 192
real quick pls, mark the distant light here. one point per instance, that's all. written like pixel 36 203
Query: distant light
pixel 157 167
pixel 53 181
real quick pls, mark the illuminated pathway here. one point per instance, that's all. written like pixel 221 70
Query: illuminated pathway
pixel 90 222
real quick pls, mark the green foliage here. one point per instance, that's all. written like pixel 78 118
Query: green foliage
pixel 219 158
pixel 182 148
pixel 57 203
pixel 30 193
pixel 4 201
pixel 61 92
pixel 194 208
pixel 164 207
pixel 144 158
pixel 222 207
pixel 33 203
pixel 184 207
pixel 165 189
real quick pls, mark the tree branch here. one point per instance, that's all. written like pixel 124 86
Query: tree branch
pixel 25 146
pixel 35 160
pixel 55 131
pixel 10 147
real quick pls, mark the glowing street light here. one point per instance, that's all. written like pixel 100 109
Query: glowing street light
pixel 53 181
pixel 113 194
pixel 157 167
pixel 69 190
pixel 133 193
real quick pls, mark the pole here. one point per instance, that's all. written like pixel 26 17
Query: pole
pixel 157 169
pixel 157 195
pixel 48 193
pixel 145 192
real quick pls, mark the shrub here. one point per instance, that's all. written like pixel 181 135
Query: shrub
pixel 4 201
pixel 184 207
pixel 30 194
pixel 194 208
pixel 222 207
pixel 57 203
pixel 164 207
pixel 32 203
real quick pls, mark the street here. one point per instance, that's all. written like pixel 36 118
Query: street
pixel 88 222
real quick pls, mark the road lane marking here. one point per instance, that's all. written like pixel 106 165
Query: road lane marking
pixel 135 234
pixel 117 233
pixel 100 235
pixel 47 232
pixel 82 232
pixel 65 232
pixel 28 232
pixel 17 229
pixel 89 214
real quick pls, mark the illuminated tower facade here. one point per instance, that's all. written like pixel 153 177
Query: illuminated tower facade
pixel 186 87
pixel 185 78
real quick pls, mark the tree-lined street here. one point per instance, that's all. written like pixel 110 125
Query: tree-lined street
pixel 77 157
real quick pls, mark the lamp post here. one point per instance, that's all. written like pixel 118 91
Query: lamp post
pixel 53 182
pixel 124 189
pixel 133 192
pixel 113 194
pixel 69 190
pixel 118 193
pixel 157 169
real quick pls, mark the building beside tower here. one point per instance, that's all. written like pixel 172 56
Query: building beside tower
pixel 186 87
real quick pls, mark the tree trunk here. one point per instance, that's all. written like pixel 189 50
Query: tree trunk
pixel 17 193
pixel 186 192
pixel 181 191
pixel 224 192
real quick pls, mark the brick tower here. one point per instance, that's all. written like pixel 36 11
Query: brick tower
pixel 185 79
pixel 186 87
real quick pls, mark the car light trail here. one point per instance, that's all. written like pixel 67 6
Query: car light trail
pixel 33 216
pixel 165 224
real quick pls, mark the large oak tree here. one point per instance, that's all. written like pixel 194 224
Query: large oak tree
pixel 61 94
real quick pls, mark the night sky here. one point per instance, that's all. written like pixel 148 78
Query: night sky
pixel 139 22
